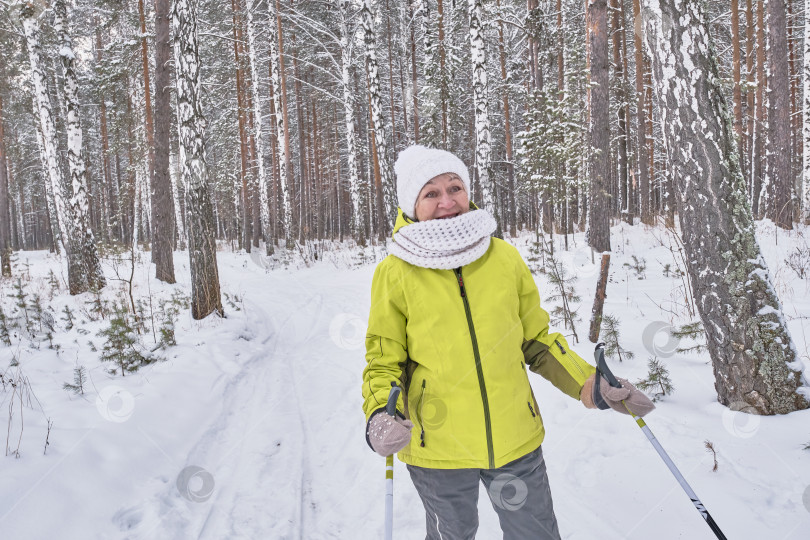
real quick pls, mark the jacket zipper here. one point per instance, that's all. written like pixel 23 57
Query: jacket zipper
pixel 478 368
pixel 531 409
pixel 562 350
pixel 419 415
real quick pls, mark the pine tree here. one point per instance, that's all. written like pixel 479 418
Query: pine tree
pixel 610 333
pixel 657 380
pixel 79 380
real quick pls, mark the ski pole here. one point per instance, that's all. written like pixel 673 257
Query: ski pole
pixel 391 409
pixel 602 369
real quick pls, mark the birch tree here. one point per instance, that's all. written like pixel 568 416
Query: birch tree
pixel 754 359
pixel 84 239
pixel 63 233
pixel 264 212
pixel 205 294
pixel 348 109
pixel 377 119
pixel 481 106
pixel 279 91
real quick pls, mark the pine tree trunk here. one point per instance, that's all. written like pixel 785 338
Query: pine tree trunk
pixel 5 223
pixel 735 61
pixel 758 157
pixel 599 167
pixel 750 94
pixel 163 225
pixel 415 87
pixel 641 122
pixel 806 117
pixel 511 215
pixel 753 356
pixel 780 179
pixel 618 66
pixel 205 295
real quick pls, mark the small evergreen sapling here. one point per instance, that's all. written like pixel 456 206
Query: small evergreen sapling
pixel 657 380
pixel 693 331
pixel 121 345
pixel 639 267
pixel 79 380
pixel 563 292
pixel 4 335
pixel 67 317
pixel 610 333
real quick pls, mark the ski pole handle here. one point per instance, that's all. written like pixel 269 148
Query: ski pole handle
pixel 602 367
pixel 393 396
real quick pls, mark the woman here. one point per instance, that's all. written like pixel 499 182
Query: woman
pixel 455 319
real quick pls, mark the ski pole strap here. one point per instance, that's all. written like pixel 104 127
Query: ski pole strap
pixel 603 371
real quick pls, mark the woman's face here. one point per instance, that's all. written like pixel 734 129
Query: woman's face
pixel 442 197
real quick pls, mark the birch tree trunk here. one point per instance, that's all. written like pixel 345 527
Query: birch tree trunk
pixel 780 179
pixel 63 233
pixel 205 294
pixel 83 233
pixel 599 167
pixel 377 120
pixel 481 106
pixel 279 92
pixel 163 226
pixel 257 125
pixel 754 359
pixel 348 108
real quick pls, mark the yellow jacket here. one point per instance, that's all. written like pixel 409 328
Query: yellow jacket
pixel 458 342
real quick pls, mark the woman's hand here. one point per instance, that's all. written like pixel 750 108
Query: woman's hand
pixel 388 435
pixel 634 399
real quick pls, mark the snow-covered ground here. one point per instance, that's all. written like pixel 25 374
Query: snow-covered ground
pixel 251 426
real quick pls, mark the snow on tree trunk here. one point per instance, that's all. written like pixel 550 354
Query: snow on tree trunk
pixel 780 177
pixel 5 222
pixel 754 359
pixel 79 204
pixel 806 116
pixel 177 192
pixel 257 123
pixel 377 120
pixel 279 104
pixel 163 227
pixel 348 108
pixel 205 294
pixel 77 277
pixel 599 166
pixel 481 105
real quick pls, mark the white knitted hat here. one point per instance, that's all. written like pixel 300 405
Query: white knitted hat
pixel 416 165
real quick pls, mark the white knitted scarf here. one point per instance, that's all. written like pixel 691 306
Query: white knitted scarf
pixel 444 243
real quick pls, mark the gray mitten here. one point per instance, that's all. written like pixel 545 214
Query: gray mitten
pixel 638 403
pixel 388 435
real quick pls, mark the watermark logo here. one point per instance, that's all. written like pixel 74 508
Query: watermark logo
pixel 115 404
pixel 432 412
pixel 508 492
pixel 741 420
pixel 195 484
pixel 348 331
pixel 584 263
pixel 658 339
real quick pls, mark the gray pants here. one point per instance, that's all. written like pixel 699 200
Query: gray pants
pixel 519 493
